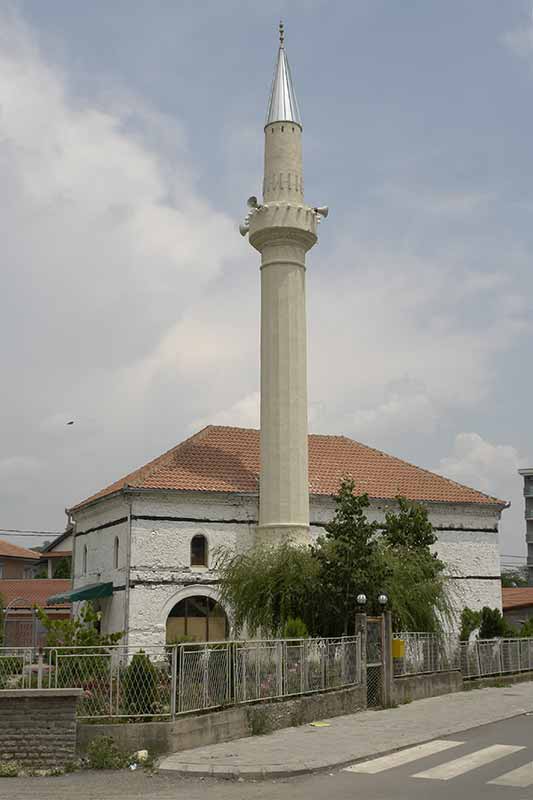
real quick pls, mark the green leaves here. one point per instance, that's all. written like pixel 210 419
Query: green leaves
pixel 80 631
pixel 319 584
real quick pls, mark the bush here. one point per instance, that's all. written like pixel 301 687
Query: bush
pixel 10 666
pixel 9 769
pixel 103 753
pixel 470 620
pixel 294 628
pixel 140 686
pixel 493 625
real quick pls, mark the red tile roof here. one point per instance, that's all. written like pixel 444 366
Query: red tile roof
pixel 519 597
pixel 224 459
pixel 33 592
pixel 8 550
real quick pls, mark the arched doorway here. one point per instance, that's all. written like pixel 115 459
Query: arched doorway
pixel 199 618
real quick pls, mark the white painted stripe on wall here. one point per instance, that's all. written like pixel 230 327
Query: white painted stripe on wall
pixel 521 777
pixel 376 765
pixel 459 766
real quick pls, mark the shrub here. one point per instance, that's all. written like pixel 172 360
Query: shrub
pixel 9 769
pixel 470 620
pixel 140 686
pixel 294 628
pixel 493 625
pixel 103 753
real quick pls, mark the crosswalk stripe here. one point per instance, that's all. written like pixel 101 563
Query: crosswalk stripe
pixel 521 777
pixel 451 769
pixel 376 765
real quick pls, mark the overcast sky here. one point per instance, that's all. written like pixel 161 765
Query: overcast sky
pixel 130 137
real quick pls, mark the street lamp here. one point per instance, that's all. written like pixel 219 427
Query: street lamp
pixel 383 599
pixel 361 599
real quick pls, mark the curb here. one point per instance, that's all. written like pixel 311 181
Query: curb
pixel 231 772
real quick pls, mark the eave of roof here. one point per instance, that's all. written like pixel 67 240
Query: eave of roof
pixel 221 459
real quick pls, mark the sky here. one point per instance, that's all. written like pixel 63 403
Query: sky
pixel 131 134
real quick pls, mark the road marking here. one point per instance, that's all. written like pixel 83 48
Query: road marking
pixel 459 766
pixel 376 765
pixel 521 777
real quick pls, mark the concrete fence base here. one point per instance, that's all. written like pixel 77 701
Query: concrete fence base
pixel 416 687
pixel 185 733
pixel 38 726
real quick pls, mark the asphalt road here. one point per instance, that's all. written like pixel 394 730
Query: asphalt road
pixel 463 765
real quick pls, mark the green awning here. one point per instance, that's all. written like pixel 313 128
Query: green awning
pixel 90 592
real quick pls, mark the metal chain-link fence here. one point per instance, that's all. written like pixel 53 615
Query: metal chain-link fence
pixel 160 682
pixel 486 657
pixel 425 652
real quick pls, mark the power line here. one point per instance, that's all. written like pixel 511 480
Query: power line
pixel 20 532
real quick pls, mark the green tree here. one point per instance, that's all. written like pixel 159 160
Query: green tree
pixel 349 562
pixel 512 578
pixel 493 625
pixel 319 584
pixel 80 631
pixel 409 529
pixel 415 581
pixel 470 620
pixel 62 568
pixel 266 586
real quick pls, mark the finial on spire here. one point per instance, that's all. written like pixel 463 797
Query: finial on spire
pixel 282 106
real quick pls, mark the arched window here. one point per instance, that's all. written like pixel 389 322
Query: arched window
pixel 84 566
pixel 115 553
pixel 199 551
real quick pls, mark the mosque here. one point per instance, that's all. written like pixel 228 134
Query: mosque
pixel 144 546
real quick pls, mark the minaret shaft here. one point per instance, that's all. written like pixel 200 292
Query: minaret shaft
pixel 284 485
pixel 283 229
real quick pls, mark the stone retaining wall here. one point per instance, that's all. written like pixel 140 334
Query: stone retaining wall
pixel 38 726
pixel 184 733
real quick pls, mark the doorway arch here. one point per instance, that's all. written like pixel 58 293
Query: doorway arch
pixel 197 617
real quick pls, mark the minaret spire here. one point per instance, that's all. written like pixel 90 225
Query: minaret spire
pixel 283 228
pixel 283 106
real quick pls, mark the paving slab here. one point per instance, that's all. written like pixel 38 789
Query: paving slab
pixel 351 738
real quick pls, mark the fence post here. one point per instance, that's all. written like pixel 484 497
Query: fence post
pixel 173 681
pixel 360 631
pixel 387 659
pixel 39 669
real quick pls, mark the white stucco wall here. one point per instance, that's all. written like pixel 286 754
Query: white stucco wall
pixel 163 524
pixel 100 557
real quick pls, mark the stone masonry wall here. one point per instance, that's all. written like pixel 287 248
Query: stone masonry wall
pixel 38 727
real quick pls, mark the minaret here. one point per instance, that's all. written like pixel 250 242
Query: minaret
pixel 283 229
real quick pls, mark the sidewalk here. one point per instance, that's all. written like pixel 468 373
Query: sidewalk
pixel 297 751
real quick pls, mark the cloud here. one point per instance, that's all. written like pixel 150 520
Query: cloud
pixel 244 414
pixel 395 336
pixel 520 40
pixel 17 473
pixel 107 243
pixel 398 412
pixel 492 468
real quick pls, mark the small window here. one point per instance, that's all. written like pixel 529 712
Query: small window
pixel 85 559
pixel 115 553
pixel 199 551
pixel 1 570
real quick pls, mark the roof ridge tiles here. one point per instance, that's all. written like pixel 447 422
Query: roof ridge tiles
pixel 223 458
